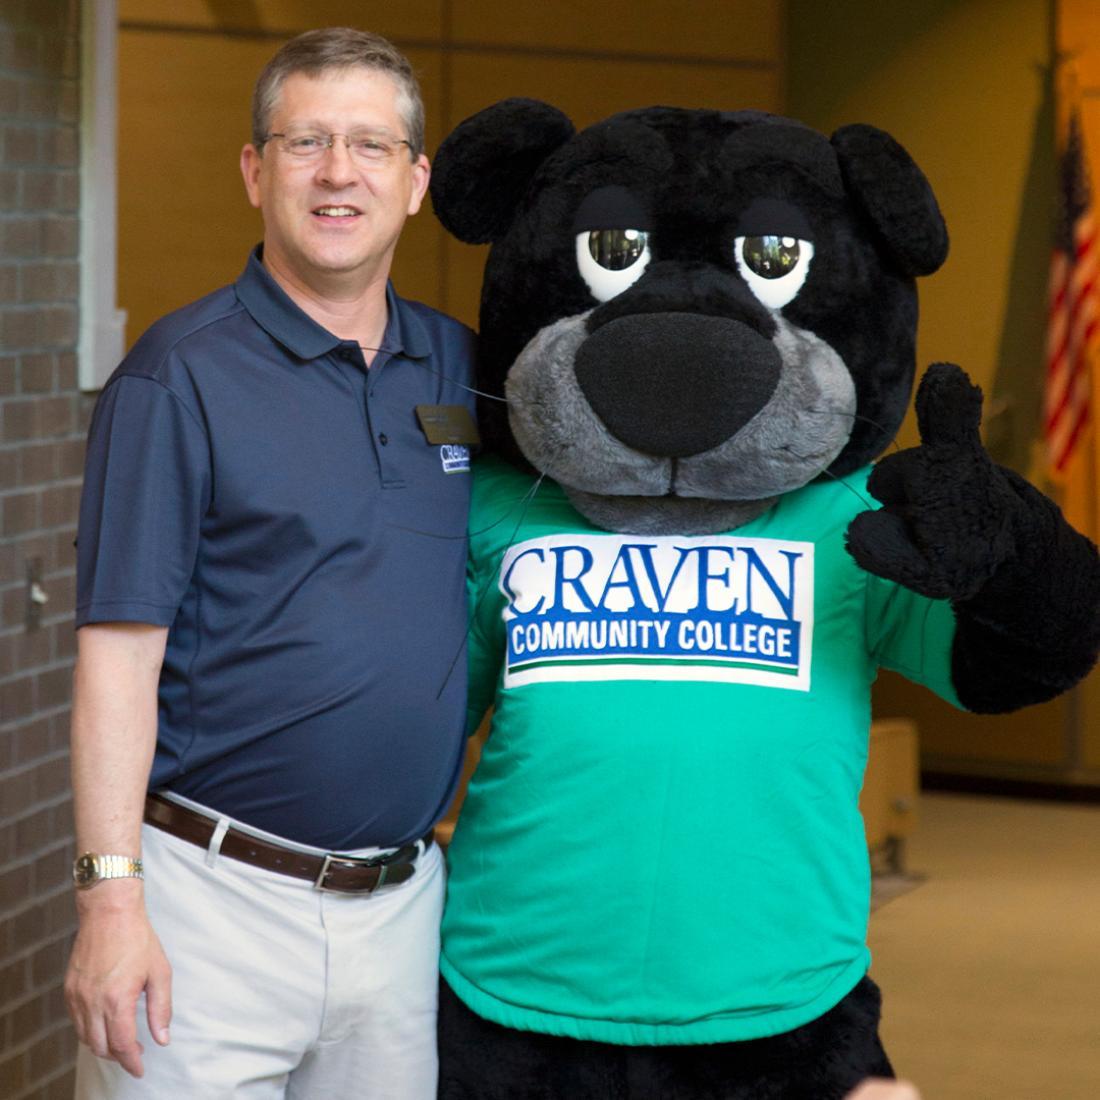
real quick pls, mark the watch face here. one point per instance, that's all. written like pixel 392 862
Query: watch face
pixel 85 871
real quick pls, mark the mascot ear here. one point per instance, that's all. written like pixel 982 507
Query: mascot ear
pixel 893 192
pixel 484 165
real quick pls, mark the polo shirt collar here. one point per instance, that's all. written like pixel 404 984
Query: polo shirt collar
pixel 281 318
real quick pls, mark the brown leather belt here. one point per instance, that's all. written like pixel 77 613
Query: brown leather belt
pixel 344 874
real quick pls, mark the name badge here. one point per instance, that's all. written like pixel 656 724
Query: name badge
pixel 442 424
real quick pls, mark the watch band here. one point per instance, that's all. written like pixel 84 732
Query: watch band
pixel 92 867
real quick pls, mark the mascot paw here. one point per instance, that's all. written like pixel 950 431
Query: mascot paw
pixel 947 509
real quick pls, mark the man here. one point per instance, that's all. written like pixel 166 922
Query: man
pixel 270 569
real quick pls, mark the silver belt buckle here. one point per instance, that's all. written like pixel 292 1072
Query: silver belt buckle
pixel 348 861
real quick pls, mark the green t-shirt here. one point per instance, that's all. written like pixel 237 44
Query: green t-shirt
pixel 662 842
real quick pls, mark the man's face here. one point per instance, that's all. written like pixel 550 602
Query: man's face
pixel 334 215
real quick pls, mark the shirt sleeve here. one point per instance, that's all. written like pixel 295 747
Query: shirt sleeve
pixel 146 489
pixel 912 635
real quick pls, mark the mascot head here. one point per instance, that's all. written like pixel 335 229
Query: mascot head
pixel 690 313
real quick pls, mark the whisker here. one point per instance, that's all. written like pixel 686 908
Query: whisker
pixel 828 473
pixel 526 502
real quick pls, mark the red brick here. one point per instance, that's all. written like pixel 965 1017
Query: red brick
pixel 20 238
pixel 38 464
pixel 34 831
pixel 54 1052
pixel 13 981
pixel 61 1088
pixel 55 689
pixel 9 96
pixel 64 550
pixel 61 912
pixel 9 189
pixel 53 870
pixel 13 610
pixel 16 699
pixel 9 284
pixel 20 328
pixel 48 963
pixel 27 1020
pixel 49 281
pixel 70 458
pixel 68 187
pixel 38 191
pixel 66 360
pixel 28 926
pixel 60 236
pixel 32 649
pixel 20 513
pixel 8 372
pixel 59 326
pixel 13 1072
pixel 20 421
pixel 60 505
pixel 21 144
pixel 15 886
pixel 62 591
pixel 64 642
pixel 11 565
pixel 7 663
pixel 32 742
pixel 37 373
pixel 39 99
pixel 9 471
pixel 35 549
pixel 56 416
pixel 62 147
pixel 25 52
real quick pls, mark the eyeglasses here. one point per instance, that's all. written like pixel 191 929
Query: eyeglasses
pixel 365 146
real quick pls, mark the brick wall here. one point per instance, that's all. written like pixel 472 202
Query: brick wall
pixel 41 451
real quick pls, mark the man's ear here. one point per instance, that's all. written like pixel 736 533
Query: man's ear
pixel 894 193
pixel 484 165
pixel 251 163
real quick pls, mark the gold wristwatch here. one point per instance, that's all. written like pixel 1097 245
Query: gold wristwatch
pixel 91 868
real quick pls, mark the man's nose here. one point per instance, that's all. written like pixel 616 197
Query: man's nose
pixel 337 167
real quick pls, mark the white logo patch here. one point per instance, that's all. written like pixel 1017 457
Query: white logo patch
pixel 455 458
pixel 620 607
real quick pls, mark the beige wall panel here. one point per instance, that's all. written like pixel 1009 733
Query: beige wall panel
pixel 185 225
pixel 962 90
pixel 746 29
pixel 591 90
pixel 409 19
pixel 1034 736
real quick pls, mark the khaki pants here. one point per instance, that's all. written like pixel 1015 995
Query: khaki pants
pixel 280 990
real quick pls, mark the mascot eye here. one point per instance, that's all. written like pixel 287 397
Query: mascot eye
pixel 774 267
pixel 609 260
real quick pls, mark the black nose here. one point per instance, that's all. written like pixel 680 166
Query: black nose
pixel 676 384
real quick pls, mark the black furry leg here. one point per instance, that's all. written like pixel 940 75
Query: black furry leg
pixel 823 1060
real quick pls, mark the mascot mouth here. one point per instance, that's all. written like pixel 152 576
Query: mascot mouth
pixel 802 421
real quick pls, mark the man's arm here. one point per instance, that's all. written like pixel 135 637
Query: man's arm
pixel 114 726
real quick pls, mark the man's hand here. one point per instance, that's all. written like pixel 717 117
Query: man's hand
pixel 115 957
pixel 947 518
pixel 879 1088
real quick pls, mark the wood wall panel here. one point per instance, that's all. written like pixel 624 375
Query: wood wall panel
pixel 418 19
pixel 588 90
pixel 699 28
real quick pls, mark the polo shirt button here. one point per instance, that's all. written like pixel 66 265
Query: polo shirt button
pixel 383 439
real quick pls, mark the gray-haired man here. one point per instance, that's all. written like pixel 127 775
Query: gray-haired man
pixel 265 641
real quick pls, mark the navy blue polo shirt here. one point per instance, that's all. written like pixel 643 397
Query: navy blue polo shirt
pixel 252 486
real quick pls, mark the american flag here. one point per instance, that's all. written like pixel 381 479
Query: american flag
pixel 1074 308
